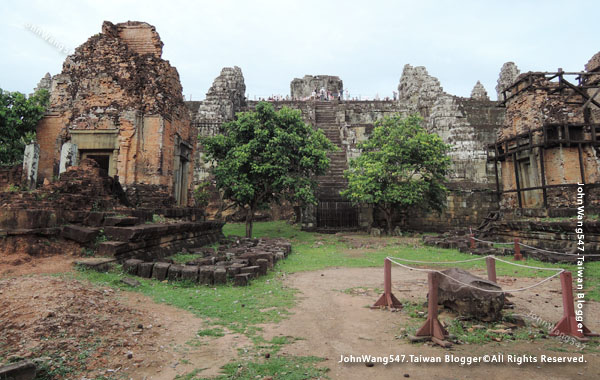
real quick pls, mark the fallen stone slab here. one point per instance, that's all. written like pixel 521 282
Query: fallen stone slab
pixel 131 282
pixel 468 301
pixel 97 264
pixel 160 271
pixel 131 266
pixel 24 370
pixel 79 234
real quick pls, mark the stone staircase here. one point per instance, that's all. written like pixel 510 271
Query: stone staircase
pixel 330 184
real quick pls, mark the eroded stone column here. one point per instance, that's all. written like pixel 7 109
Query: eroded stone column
pixel 68 156
pixel 31 159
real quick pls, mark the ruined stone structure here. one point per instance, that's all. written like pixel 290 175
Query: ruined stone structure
pixel 468 124
pixel 302 89
pixel 118 102
pixel 549 142
pixel 226 96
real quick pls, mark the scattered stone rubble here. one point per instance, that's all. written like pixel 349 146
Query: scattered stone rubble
pixel 239 259
pixel 549 236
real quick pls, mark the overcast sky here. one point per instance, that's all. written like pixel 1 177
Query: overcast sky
pixel 366 43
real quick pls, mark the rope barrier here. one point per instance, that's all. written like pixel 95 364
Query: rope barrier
pixel 439 262
pixel 534 248
pixel 557 253
pixel 559 271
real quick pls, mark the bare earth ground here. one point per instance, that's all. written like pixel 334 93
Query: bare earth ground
pixel 334 323
pixel 330 321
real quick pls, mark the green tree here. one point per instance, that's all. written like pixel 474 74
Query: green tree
pixel 265 156
pixel 19 116
pixel 401 166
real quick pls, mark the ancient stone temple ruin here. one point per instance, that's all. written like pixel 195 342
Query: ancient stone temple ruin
pixel 547 147
pixel 468 124
pixel 118 102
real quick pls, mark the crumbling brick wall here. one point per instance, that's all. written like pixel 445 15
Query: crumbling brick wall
pixel 541 104
pixel 117 95
pixel 10 176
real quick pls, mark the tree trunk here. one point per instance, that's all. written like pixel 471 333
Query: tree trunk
pixel 388 219
pixel 249 220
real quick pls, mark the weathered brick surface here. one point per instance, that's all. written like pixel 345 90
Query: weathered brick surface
pixel 10 175
pixel 535 102
pixel 116 86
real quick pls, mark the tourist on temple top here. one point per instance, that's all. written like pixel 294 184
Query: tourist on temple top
pixel 322 93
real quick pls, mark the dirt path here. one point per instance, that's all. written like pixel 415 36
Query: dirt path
pixel 65 317
pixel 334 323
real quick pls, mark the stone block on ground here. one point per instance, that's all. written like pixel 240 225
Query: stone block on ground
pixel 467 301
pixel 131 266
pixel 189 273
pixel 220 276
pixel 121 221
pixel 242 279
pixel 160 271
pixel 263 266
pixel 98 264
pixel 111 248
pixel 252 270
pixel 206 275
pixel 174 273
pixel 278 256
pixel 79 234
pixel 145 270
pixel 24 370
pixel 234 269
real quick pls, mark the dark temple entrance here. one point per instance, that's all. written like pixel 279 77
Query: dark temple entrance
pixel 334 216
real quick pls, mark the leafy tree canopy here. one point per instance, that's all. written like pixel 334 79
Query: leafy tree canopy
pixel 401 166
pixel 265 156
pixel 19 116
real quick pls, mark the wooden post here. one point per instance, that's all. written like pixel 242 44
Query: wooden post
pixel 490 263
pixel 432 328
pixel 387 299
pixel 472 241
pixel 518 255
pixel 568 325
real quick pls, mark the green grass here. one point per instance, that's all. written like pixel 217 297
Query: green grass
pixel 280 367
pixel 182 258
pixel 235 308
pixel 267 300
pixel 335 252
pixel 214 332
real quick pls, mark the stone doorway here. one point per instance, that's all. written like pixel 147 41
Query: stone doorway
pixel 102 157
